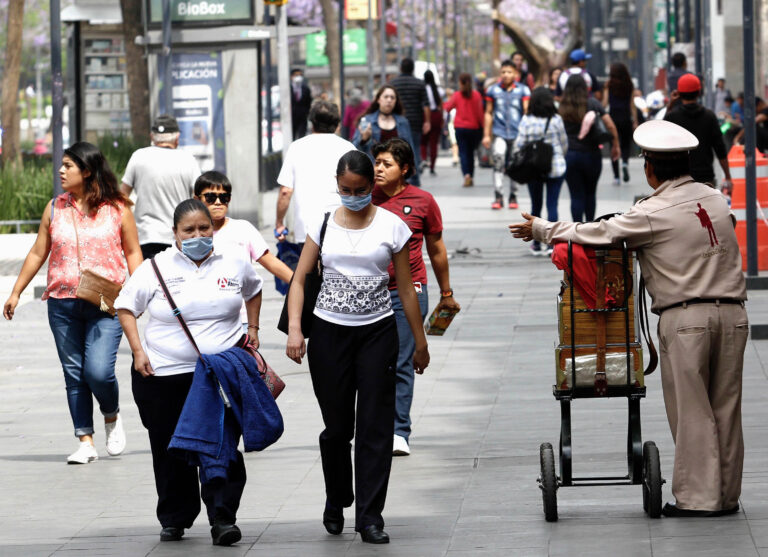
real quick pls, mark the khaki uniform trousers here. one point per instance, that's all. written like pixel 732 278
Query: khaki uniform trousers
pixel 702 355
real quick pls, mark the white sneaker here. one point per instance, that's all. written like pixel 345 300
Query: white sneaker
pixel 115 436
pixel 400 446
pixel 84 454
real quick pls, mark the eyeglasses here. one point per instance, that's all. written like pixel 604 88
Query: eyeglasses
pixel 210 198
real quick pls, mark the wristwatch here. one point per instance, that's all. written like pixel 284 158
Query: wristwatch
pixel 446 293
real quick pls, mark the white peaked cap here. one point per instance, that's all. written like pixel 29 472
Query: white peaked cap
pixel 664 137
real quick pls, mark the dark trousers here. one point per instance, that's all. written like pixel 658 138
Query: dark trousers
pixel 624 129
pixel 415 179
pixel 148 251
pixel 536 190
pixel 467 140
pixel 160 401
pixel 348 362
pixel 582 173
pixel 430 140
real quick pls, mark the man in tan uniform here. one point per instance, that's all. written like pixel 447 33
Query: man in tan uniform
pixel 684 236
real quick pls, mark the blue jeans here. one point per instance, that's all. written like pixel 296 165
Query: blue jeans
pixel 86 340
pixel 582 173
pixel 468 139
pixel 536 190
pixel 405 374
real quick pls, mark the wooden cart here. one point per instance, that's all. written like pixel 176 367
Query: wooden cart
pixel 600 355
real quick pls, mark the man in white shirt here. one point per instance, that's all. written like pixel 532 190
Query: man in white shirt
pixel 163 176
pixel 308 174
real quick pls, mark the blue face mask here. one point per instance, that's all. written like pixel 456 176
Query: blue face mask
pixel 354 202
pixel 197 248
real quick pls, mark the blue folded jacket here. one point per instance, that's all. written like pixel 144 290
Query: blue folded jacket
pixel 206 435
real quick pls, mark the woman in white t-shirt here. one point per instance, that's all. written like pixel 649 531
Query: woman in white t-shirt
pixel 215 191
pixel 353 351
pixel 208 286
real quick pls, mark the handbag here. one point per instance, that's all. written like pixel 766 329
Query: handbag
pixel 92 287
pixel 272 379
pixel 268 375
pixel 598 133
pixel 312 283
pixel 533 161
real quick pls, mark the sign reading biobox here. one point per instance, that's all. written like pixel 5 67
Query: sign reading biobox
pixel 203 12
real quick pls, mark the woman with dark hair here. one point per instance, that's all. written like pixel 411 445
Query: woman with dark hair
pixel 393 165
pixel 584 158
pixel 618 97
pixel 353 350
pixel 208 286
pixel 554 75
pixel 543 122
pixel 468 123
pixel 382 121
pixel 430 140
pixel 89 226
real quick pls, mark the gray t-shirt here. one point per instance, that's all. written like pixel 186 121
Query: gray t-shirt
pixel 162 178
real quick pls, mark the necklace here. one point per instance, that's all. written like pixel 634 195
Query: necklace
pixel 360 239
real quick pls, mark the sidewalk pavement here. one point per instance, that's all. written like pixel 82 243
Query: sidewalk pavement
pixel 480 412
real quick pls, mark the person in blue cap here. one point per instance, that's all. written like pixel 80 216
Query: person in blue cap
pixel 578 59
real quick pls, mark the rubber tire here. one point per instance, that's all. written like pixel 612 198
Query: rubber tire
pixel 651 480
pixel 548 481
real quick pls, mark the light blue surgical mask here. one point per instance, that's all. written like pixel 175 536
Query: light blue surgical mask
pixel 354 202
pixel 197 248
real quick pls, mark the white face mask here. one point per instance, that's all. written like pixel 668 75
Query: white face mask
pixel 297 79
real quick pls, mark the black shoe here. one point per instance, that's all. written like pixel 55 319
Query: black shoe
pixel 225 534
pixel 625 172
pixel 171 534
pixel 432 172
pixel 333 519
pixel 726 512
pixel 673 511
pixel 374 534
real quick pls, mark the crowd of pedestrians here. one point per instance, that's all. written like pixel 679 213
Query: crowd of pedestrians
pixel 353 210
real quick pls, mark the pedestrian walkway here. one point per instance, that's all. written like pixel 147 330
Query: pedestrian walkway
pixel 480 412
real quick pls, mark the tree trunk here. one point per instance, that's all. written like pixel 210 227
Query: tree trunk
pixel 10 98
pixel 331 22
pixel 136 70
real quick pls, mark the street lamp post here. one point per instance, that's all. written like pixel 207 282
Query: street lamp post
pixel 166 57
pixel 341 58
pixel 57 93
pixel 749 135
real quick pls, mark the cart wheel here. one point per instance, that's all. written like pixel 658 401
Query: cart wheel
pixel 651 480
pixel 548 482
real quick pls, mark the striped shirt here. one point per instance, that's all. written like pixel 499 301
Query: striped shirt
pixel 531 128
pixel 413 96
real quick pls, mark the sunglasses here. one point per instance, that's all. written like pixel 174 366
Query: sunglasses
pixel 210 198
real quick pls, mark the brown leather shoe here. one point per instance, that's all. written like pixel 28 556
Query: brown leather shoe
pixel 468 181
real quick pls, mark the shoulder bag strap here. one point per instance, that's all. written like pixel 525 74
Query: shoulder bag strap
pixel 77 238
pixel 322 239
pixel 645 327
pixel 177 313
pixel 546 127
pixel 174 308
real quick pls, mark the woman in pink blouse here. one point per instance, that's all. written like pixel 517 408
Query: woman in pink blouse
pixel 90 226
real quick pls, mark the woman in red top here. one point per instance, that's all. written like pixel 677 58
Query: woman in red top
pixel 394 165
pixel 468 124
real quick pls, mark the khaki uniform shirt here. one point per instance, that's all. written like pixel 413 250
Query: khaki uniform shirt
pixel 684 234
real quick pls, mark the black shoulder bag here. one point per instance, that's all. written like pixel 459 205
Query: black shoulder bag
pixel 533 161
pixel 312 283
